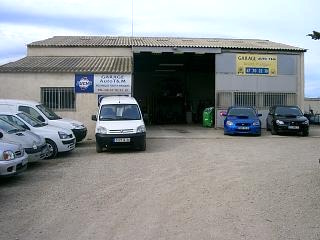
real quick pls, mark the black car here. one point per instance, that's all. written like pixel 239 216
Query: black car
pixel 287 119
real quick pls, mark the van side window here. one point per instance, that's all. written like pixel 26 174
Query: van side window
pixel 14 120
pixel 32 112
pixel 18 122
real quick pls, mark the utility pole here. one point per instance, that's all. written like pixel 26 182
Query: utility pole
pixel 132 18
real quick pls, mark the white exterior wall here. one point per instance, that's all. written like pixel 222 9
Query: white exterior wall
pixel 81 52
pixel 300 81
pixel 290 78
pixel 313 104
pixel 27 86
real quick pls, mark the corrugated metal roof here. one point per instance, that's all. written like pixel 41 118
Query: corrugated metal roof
pixel 70 64
pixel 107 41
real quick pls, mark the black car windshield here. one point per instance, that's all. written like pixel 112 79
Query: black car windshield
pixel 288 111
pixel 242 112
pixel 48 112
pixel 31 120
pixel 118 112
pixel 10 128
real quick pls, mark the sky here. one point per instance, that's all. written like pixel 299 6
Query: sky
pixel 284 21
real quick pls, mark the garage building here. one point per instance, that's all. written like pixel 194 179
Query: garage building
pixel 312 105
pixel 173 79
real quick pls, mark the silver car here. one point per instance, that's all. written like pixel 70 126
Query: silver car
pixel 13 159
pixel 34 145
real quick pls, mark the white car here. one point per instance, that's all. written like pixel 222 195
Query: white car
pixel 13 159
pixel 34 145
pixel 119 124
pixel 44 114
pixel 57 139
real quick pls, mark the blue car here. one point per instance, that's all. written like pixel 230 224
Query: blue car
pixel 242 120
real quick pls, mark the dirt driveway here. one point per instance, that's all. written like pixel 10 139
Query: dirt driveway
pixel 189 184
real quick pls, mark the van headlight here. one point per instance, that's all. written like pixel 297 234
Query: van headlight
pixel 141 129
pixel 102 130
pixel 279 122
pixel 306 122
pixel 8 155
pixel 63 135
pixel 77 126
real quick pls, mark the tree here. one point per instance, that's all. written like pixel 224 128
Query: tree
pixel 315 35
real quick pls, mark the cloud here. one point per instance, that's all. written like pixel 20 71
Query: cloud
pixel 14 38
pixel 94 24
pixel 10 59
pixel 72 8
pixel 312 87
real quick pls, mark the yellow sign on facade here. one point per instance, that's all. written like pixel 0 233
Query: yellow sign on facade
pixel 257 64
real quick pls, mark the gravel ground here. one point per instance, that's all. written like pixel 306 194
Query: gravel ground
pixel 189 184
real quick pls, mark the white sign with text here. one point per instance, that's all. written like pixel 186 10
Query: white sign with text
pixel 112 84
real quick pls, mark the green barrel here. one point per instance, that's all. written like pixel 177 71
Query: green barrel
pixel 207 117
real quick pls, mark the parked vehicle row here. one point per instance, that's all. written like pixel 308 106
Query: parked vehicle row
pixel 37 130
pixel 280 119
pixel 57 139
pixel 44 114
pixel 34 145
pixel 31 132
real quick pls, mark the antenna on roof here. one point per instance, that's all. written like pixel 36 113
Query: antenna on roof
pixel 132 19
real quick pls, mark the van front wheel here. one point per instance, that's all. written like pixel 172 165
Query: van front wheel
pixel 98 148
pixel 52 149
pixel 143 146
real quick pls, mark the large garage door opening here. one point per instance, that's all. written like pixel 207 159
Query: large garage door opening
pixel 174 88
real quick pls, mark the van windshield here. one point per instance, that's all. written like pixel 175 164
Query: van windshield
pixel 288 111
pixel 248 112
pixel 51 115
pixel 10 128
pixel 31 120
pixel 118 112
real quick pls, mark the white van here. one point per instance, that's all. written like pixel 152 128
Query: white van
pixel 44 114
pixel 119 124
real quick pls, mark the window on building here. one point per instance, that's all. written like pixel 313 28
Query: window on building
pixel 245 99
pixel 224 99
pixel 58 98
pixel 258 100
pixel 271 99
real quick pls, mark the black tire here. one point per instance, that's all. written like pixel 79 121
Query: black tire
pixel 53 150
pixel 273 131
pixel 98 148
pixel 143 146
